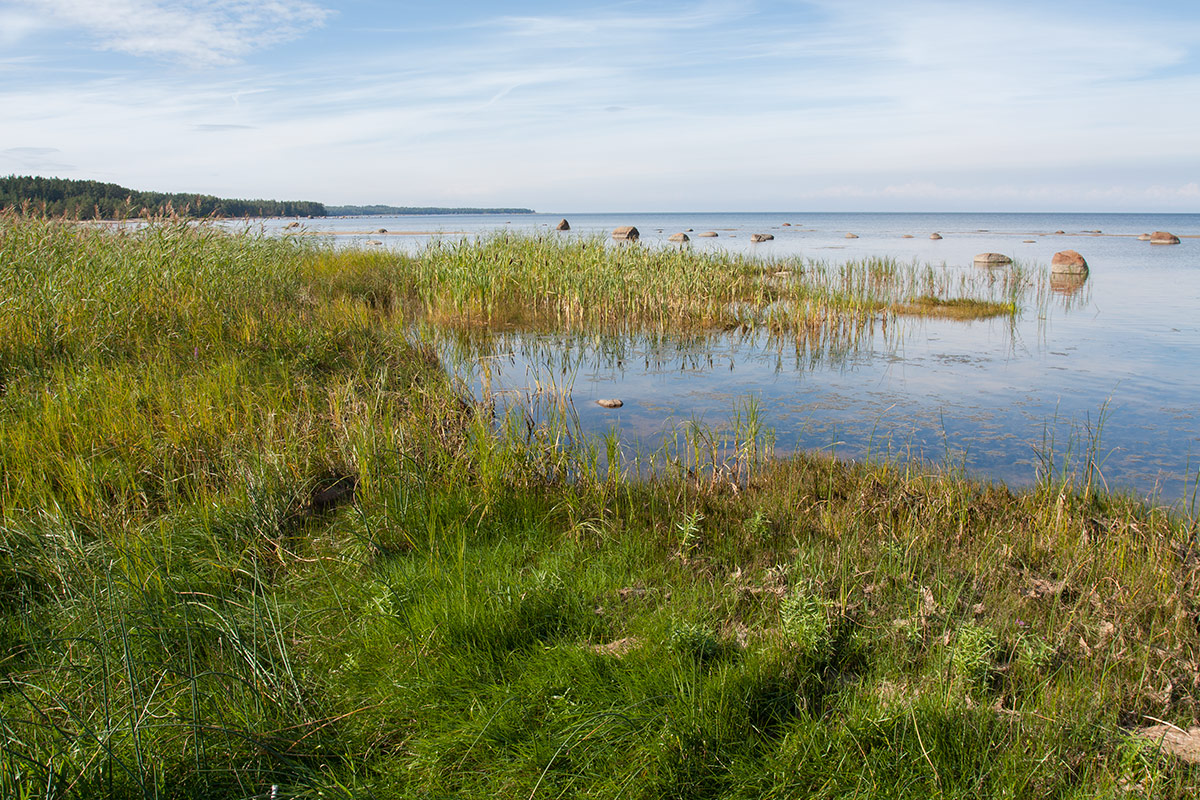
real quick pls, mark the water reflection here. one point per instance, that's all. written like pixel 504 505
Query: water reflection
pixel 1005 399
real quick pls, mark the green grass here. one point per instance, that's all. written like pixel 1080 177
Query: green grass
pixel 186 612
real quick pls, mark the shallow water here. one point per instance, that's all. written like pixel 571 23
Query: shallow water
pixel 1111 366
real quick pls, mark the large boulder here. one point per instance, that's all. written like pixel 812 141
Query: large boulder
pixel 1162 237
pixel 626 233
pixel 562 225
pixel 678 237
pixel 992 260
pixel 935 236
pixel 761 237
pixel 1068 262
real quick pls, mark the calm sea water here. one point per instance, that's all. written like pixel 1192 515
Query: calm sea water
pixel 1113 365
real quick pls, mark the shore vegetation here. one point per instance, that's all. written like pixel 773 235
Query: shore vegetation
pixel 257 542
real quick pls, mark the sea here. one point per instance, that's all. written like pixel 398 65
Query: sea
pixel 1099 379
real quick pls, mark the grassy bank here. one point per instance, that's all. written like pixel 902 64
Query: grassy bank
pixel 253 543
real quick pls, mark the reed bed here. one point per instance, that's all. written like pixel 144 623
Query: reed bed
pixel 254 544
pixel 552 283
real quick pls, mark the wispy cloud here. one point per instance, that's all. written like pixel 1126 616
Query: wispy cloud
pixel 212 32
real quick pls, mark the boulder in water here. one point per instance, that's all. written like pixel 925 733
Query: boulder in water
pixel 1068 262
pixel 1162 237
pixel 626 233
pixel 992 260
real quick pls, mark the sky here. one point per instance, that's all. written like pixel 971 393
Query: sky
pixel 831 105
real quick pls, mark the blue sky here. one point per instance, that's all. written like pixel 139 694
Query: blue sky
pixel 688 106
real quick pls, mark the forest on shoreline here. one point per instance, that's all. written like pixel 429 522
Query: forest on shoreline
pixel 80 199
pixel 77 199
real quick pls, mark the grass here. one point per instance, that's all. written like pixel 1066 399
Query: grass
pixel 254 544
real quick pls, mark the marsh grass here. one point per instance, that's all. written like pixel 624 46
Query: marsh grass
pixel 551 283
pixel 488 612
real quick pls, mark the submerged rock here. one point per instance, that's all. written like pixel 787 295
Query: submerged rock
pixel 907 236
pixel 562 225
pixel 609 402
pixel 1060 233
pixel 992 259
pixel 761 237
pixel 1145 237
pixel 1068 262
pixel 678 237
pixel 851 235
pixel 1162 237
pixel 935 236
pixel 708 234
pixel 626 233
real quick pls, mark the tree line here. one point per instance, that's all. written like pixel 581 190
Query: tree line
pixel 78 199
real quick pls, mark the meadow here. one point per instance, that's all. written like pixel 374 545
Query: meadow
pixel 256 541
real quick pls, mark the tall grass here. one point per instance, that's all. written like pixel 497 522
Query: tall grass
pixel 253 544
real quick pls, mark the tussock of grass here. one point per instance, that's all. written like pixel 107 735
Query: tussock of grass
pixel 179 617
pixel 956 308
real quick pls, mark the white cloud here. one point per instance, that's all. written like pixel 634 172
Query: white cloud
pixel 15 25
pixel 214 32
